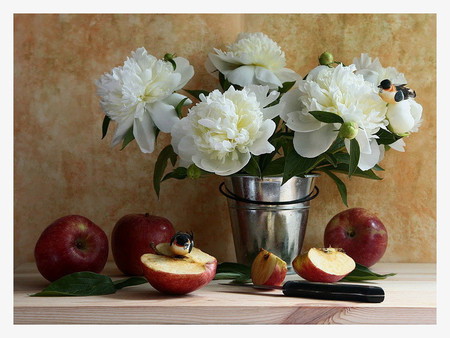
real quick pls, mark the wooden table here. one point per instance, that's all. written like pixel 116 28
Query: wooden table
pixel 410 299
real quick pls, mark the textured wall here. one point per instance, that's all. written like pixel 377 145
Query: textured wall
pixel 63 167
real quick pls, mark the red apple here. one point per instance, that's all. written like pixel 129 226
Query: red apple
pixel 268 269
pixel 359 233
pixel 134 235
pixel 71 244
pixel 326 265
pixel 178 275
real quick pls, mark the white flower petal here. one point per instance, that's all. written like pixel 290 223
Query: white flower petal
pixel 267 77
pixel 399 116
pixel 287 75
pixel 144 133
pixel 291 101
pixel 164 116
pixel 368 160
pixel 185 70
pixel 302 122
pixel 121 130
pixel 221 65
pixel 314 143
pixel 176 98
pixel 398 145
pixel 261 145
pixel 222 168
pixel 242 76
pixel 263 96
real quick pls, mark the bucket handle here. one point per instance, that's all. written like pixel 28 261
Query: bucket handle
pixel 313 194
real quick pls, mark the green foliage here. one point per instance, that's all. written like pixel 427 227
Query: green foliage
pixel 86 283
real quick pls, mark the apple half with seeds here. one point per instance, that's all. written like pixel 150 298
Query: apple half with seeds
pixel 327 265
pixel 178 275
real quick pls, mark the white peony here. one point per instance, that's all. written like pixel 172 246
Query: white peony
pixel 220 133
pixel 374 72
pixel 337 90
pixel 141 95
pixel 252 59
pixel 404 117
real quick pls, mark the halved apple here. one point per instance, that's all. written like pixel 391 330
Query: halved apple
pixel 268 269
pixel 178 275
pixel 327 265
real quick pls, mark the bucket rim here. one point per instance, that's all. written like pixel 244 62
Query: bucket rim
pixel 312 175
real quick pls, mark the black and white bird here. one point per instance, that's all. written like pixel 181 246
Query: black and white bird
pixel 392 93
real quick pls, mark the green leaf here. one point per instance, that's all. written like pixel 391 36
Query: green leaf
pixel 362 273
pixel 196 93
pixel 296 165
pixel 160 166
pixel 178 173
pixel 86 283
pixel 79 284
pixel 129 136
pixel 326 117
pixel 344 168
pixel 386 137
pixel 285 87
pixel 252 167
pixel 105 126
pixel 354 156
pixel 340 185
pixel 238 273
pixel 274 168
pixel 179 107
pixel 131 281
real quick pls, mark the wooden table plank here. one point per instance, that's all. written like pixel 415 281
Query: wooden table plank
pixel 410 299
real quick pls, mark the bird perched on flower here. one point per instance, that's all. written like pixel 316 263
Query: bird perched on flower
pixel 392 93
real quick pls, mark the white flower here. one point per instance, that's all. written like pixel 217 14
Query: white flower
pixel 405 116
pixel 337 90
pixel 374 72
pixel 220 133
pixel 140 95
pixel 252 59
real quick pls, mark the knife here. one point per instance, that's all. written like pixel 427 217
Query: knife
pixel 330 291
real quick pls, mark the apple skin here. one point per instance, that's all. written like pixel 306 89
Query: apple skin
pixel 165 275
pixel 133 236
pixel 307 270
pixel 360 233
pixel 268 269
pixel 72 243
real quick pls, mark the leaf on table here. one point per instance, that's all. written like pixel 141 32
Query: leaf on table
pixel 363 273
pixel 86 283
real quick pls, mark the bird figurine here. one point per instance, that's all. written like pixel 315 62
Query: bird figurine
pixel 392 93
pixel 182 243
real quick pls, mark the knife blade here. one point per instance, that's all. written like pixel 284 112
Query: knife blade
pixel 329 291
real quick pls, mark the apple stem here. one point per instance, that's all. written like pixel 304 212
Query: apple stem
pixel 147 214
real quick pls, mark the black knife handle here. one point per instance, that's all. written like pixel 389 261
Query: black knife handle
pixel 346 292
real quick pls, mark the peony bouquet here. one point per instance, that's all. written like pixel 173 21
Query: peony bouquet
pixel 263 119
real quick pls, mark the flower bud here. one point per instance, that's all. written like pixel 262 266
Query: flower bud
pixel 326 58
pixel 193 171
pixel 348 130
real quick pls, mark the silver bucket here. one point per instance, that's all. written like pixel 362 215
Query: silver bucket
pixel 266 214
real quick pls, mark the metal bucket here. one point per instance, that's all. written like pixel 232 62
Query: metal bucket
pixel 266 214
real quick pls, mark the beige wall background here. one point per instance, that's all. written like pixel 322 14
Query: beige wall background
pixel 61 165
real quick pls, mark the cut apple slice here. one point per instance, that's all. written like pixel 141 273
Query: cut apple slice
pixel 326 265
pixel 178 275
pixel 268 269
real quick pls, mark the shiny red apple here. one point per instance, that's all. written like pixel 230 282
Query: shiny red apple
pixel 178 275
pixel 360 233
pixel 71 244
pixel 134 235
